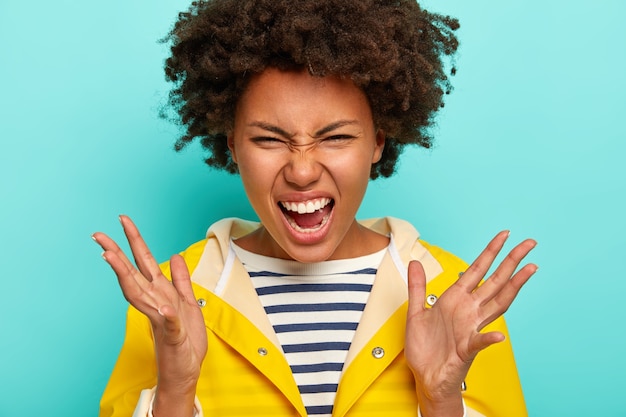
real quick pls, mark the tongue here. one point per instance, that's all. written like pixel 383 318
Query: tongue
pixel 309 220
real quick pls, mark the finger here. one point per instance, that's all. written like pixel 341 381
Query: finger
pixel 417 288
pixel 501 302
pixel 477 270
pixel 181 280
pixel 483 340
pixel 109 245
pixel 133 286
pixel 505 270
pixel 143 257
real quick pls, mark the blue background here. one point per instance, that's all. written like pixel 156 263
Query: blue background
pixel 532 139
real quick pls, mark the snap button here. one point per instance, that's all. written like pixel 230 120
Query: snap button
pixel 378 352
pixel 431 300
pixel 463 386
pixel 201 302
pixel 262 351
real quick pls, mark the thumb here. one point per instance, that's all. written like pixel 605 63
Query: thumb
pixel 417 288
pixel 483 340
pixel 181 280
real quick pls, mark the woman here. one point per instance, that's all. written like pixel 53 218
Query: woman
pixel 307 312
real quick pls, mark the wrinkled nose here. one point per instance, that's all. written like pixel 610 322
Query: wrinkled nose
pixel 303 169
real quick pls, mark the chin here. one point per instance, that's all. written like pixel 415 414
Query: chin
pixel 309 254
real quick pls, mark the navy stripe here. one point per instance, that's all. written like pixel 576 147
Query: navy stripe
pixel 319 409
pixel 365 271
pixel 267 274
pixel 294 308
pixel 317 367
pixel 316 347
pixel 281 289
pixel 314 389
pixel 301 327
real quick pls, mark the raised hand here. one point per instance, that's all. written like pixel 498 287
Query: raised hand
pixel 442 341
pixel 177 323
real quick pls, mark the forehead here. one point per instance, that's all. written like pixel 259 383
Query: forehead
pixel 291 96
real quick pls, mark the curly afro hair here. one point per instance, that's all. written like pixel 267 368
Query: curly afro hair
pixel 392 49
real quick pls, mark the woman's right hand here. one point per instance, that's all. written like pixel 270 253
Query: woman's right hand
pixel 177 324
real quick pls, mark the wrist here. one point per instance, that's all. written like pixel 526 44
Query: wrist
pixel 419 411
pixel 176 402
pixel 440 406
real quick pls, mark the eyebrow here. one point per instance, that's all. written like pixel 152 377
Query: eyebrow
pixel 321 132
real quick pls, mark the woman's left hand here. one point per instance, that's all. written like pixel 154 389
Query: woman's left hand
pixel 442 341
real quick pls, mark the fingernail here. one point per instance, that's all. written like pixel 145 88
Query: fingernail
pixel 104 256
pixel 94 238
pixel 159 311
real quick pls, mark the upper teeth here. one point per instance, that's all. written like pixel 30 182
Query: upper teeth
pixel 309 206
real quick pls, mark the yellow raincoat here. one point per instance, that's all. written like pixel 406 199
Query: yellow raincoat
pixel 245 372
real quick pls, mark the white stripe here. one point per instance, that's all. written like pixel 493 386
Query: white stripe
pixel 265 281
pixel 311 358
pixel 314 378
pixel 319 398
pixel 315 317
pixel 316 336
pixel 315 298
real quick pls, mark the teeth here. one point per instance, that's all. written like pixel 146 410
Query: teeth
pixel 311 230
pixel 306 206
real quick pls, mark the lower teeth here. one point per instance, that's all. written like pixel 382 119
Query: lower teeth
pixel 297 227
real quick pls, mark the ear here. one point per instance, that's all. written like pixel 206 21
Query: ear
pixel 379 146
pixel 230 141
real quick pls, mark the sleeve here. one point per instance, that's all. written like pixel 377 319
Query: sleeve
pixel 146 401
pixel 493 387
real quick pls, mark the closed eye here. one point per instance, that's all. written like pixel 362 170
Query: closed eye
pixel 339 140
pixel 339 137
pixel 267 140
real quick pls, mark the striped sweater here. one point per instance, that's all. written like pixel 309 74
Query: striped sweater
pixel 314 310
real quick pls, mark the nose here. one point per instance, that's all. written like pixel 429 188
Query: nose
pixel 303 169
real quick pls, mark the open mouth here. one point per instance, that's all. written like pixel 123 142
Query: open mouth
pixel 307 216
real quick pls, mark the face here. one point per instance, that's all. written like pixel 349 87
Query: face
pixel 304 147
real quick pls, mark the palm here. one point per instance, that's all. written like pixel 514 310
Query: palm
pixel 176 319
pixel 442 341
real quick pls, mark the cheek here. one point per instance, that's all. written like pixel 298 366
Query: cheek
pixel 351 173
pixel 258 174
pixel 354 163
pixel 251 163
